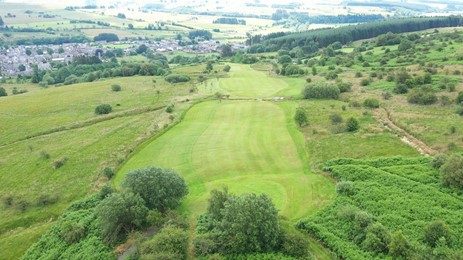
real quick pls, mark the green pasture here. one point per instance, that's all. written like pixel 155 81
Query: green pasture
pixel 41 109
pixel 28 176
pixel 326 140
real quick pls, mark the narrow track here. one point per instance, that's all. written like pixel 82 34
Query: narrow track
pixel 382 115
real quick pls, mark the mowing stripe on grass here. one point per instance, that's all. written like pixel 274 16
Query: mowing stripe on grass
pixel 245 145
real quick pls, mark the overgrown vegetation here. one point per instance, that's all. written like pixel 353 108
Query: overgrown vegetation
pixel 380 211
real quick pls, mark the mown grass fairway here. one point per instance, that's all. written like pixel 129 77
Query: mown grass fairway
pixel 244 145
pixel 246 82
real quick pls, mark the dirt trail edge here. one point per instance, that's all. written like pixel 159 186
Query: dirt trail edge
pixel 383 117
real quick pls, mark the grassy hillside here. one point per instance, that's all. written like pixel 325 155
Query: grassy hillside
pixel 67 131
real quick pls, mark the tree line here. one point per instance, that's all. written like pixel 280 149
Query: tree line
pixel 324 37
pixel 225 20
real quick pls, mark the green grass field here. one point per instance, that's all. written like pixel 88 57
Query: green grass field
pixel 42 110
pixel 241 144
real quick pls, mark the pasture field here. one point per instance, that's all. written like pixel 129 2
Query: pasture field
pixel 83 142
pixel 326 140
pixel 42 110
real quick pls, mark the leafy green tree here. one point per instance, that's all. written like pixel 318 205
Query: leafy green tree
pixel 103 109
pixel 3 92
pixel 21 67
pixel 352 124
pixel 435 231
pixel 120 213
pixel 161 189
pixel 377 238
pixel 301 118
pixel 226 68
pixel 217 202
pixel 404 45
pixel 452 171
pixel 170 243
pixel 142 49
pixel 321 91
pixel 399 245
pixel 226 50
pixel 438 160
pixel 249 224
pixel 284 59
pixel 1 21
pixel 295 245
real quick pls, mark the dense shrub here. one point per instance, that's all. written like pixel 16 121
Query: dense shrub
pixel 365 82
pixel 352 124
pixel 295 245
pixel 336 119
pixel 371 103
pixel 301 118
pixel 345 188
pixel 321 91
pixel 3 92
pixel 116 87
pixel 439 160
pixel 452 171
pixel 422 96
pixel 108 172
pixel 170 243
pixel 226 68
pixel 399 246
pixel 103 109
pixel 176 78
pixel 435 231
pixel 344 87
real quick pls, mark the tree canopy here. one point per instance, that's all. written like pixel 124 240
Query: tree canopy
pixel 120 213
pixel 161 189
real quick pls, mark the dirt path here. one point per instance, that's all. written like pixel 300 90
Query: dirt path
pixel 383 117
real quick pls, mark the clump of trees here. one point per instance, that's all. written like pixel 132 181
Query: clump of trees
pixel 452 171
pixel 321 91
pixel 229 20
pixel 243 224
pixel 176 78
pixel 199 34
pixel 107 37
pixel 422 96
